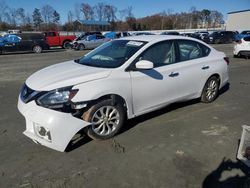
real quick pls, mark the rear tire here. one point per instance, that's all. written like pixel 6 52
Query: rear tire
pixel 211 90
pixel 81 47
pixel 106 118
pixel 217 41
pixel 37 49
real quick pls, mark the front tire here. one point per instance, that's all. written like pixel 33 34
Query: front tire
pixel 211 90
pixel 66 45
pixel 106 118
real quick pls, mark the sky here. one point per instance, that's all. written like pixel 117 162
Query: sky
pixel 141 8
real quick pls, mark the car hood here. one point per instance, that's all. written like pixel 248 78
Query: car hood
pixel 65 74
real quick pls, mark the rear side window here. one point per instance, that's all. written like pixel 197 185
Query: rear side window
pixel 125 34
pixel 24 36
pixel 191 50
pixel 229 33
pixel 100 37
pixel 50 34
pixel 247 39
pixel 37 37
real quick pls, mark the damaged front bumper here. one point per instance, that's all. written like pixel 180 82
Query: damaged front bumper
pixel 48 127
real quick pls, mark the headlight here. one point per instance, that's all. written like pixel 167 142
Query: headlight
pixel 56 98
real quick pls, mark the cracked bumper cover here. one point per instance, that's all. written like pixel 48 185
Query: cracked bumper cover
pixel 62 126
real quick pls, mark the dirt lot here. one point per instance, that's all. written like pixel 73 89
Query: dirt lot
pixel 179 146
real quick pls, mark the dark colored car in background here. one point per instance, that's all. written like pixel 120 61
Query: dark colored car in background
pixel 142 33
pixel 222 37
pixel 198 35
pixel 170 33
pixel 203 35
pixel 35 42
pixel 243 34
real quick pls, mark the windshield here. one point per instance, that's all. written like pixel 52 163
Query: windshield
pixel 112 54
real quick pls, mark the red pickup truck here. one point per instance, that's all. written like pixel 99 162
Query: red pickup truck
pixel 53 38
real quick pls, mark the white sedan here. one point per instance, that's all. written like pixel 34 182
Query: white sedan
pixel 242 47
pixel 119 80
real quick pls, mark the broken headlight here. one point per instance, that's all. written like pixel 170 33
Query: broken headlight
pixel 56 98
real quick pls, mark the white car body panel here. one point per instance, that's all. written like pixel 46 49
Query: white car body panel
pixel 64 74
pixel 141 90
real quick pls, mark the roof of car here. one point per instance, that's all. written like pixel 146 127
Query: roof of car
pixel 149 38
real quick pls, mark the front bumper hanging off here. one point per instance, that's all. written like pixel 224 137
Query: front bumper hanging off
pixel 48 127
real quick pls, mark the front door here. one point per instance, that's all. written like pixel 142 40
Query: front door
pixel 158 86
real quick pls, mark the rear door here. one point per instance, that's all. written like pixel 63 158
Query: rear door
pixel 194 67
pixel 25 43
pixel 10 47
pixel 100 40
pixel 93 42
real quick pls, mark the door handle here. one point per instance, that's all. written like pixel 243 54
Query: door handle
pixel 173 74
pixel 205 67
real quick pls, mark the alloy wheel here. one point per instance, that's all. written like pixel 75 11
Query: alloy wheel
pixel 105 120
pixel 211 90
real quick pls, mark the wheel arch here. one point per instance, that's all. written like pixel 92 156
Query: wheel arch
pixel 81 44
pixel 217 75
pixel 66 40
pixel 115 99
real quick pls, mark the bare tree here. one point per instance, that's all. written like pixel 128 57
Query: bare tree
pixel 47 13
pixel 13 16
pixel 99 11
pixel 126 13
pixel 37 18
pixel 191 18
pixel 77 11
pixel 3 9
pixel 110 13
pixel 70 17
pixel 56 17
pixel 216 18
pixel 20 13
pixel 28 19
pixel 205 16
pixel 87 11
pixel 28 23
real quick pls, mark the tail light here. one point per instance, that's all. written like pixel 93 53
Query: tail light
pixel 227 60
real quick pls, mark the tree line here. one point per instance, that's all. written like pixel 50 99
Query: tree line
pixel 47 18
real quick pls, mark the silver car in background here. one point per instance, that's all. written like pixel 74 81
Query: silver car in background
pixel 90 42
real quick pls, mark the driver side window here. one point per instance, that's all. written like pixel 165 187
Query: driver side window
pixel 160 54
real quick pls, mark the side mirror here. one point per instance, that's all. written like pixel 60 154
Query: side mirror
pixel 144 65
